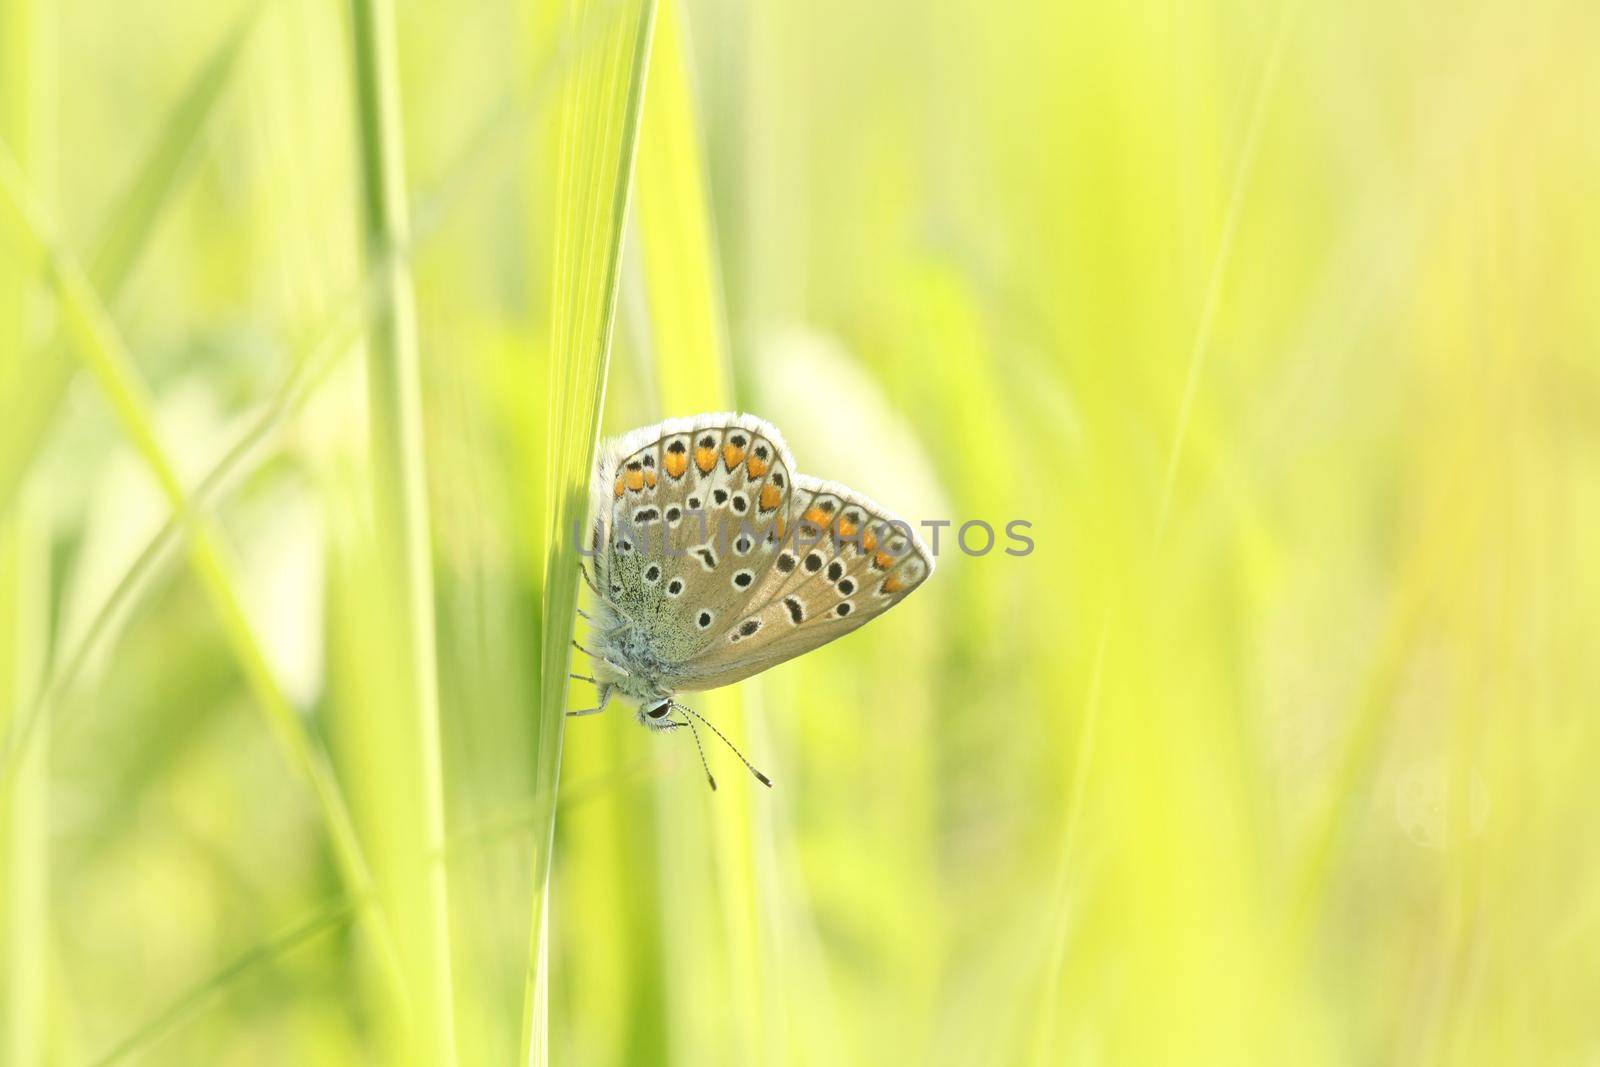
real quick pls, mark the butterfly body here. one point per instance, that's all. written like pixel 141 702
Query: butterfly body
pixel 714 560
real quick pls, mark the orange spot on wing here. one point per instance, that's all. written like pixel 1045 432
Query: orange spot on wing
pixel 732 455
pixel 847 529
pixel 783 524
pixel 869 541
pixel 883 561
pixel 816 516
pixel 616 490
pixel 676 463
pixel 650 479
pixel 635 480
pixel 893 585
pixel 756 466
pixel 705 459
pixel 771 496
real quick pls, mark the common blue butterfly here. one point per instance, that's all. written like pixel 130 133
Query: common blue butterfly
pixel 714 560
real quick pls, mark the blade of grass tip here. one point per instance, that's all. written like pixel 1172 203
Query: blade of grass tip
pixel 26 58
pixel 599 132
pixel 34 393
pixel 688 339
pixel 402 542
pixel 95 338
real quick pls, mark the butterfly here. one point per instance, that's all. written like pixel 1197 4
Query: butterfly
pixel 715 560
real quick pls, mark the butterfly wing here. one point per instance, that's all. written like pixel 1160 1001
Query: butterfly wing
pixel 842 560
pixel 687 519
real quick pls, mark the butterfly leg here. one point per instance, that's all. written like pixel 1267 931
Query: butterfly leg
pixel 605 698
pixel 595 655
pixel 595 589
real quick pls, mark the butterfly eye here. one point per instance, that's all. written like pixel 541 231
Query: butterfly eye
pixel 660 710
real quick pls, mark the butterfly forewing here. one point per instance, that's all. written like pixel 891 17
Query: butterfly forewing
pixel 692 528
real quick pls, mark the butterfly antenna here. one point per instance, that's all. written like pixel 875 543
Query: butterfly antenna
pixel 763 779
pixel 698 747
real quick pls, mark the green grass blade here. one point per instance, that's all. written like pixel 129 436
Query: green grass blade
pixel 414 766
pixel 313 361
pixel 689 345
pixel 26 98
pixel 326 920
pixel 172 160
pixel 683 289
pixel 334 914
pixel 24 849
pixel 26 567
pixel 94 336
pixel 33 391
pixel 599 132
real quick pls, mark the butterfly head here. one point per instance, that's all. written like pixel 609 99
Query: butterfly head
pixel 656 714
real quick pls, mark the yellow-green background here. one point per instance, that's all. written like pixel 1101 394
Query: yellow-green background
pixel 1278 320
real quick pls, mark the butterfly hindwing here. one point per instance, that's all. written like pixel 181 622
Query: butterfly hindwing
pixel 841 561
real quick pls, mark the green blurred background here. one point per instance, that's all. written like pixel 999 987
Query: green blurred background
pixel 1277 320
